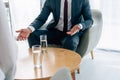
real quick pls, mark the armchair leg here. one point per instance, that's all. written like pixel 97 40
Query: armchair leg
pixel 92 54
pixel 78 70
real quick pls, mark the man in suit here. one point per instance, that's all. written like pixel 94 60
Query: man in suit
pixel 79 18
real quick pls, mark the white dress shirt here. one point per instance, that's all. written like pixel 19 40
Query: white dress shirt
pixel 60 23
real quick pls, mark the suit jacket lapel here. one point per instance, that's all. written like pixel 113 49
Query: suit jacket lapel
pixel 57 10
pixel 73 10
pixel 76 4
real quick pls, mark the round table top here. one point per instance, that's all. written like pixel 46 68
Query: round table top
pixel 54 59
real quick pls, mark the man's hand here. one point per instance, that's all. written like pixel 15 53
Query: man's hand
pixel 74 30
pixel 23 34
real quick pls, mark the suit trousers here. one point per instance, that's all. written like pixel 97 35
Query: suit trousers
pixel 57 37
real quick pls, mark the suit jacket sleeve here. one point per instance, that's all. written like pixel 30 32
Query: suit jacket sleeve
pixel 87 16
pixel 42 18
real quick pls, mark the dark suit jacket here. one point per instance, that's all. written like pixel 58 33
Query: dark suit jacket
pixel 80 9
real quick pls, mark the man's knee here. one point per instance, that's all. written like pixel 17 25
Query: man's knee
pixel 71 44
pixel 33 40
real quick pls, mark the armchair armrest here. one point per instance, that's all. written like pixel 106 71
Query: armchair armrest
pixel 91 36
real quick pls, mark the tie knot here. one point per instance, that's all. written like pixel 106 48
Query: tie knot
pixel 65 2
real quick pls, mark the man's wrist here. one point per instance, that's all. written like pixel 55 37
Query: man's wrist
pixel 30 31
pixel 31 28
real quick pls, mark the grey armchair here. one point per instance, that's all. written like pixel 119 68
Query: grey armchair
pixel 91 36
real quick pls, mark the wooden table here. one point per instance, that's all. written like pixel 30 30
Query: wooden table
pixel 51 62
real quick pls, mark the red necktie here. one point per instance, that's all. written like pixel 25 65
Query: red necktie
pixel 65 16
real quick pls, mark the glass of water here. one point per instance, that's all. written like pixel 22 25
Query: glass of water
pixel 37 60
pixel 43 42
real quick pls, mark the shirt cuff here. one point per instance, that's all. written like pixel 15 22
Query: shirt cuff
pixel 32 28
pixel 81 26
